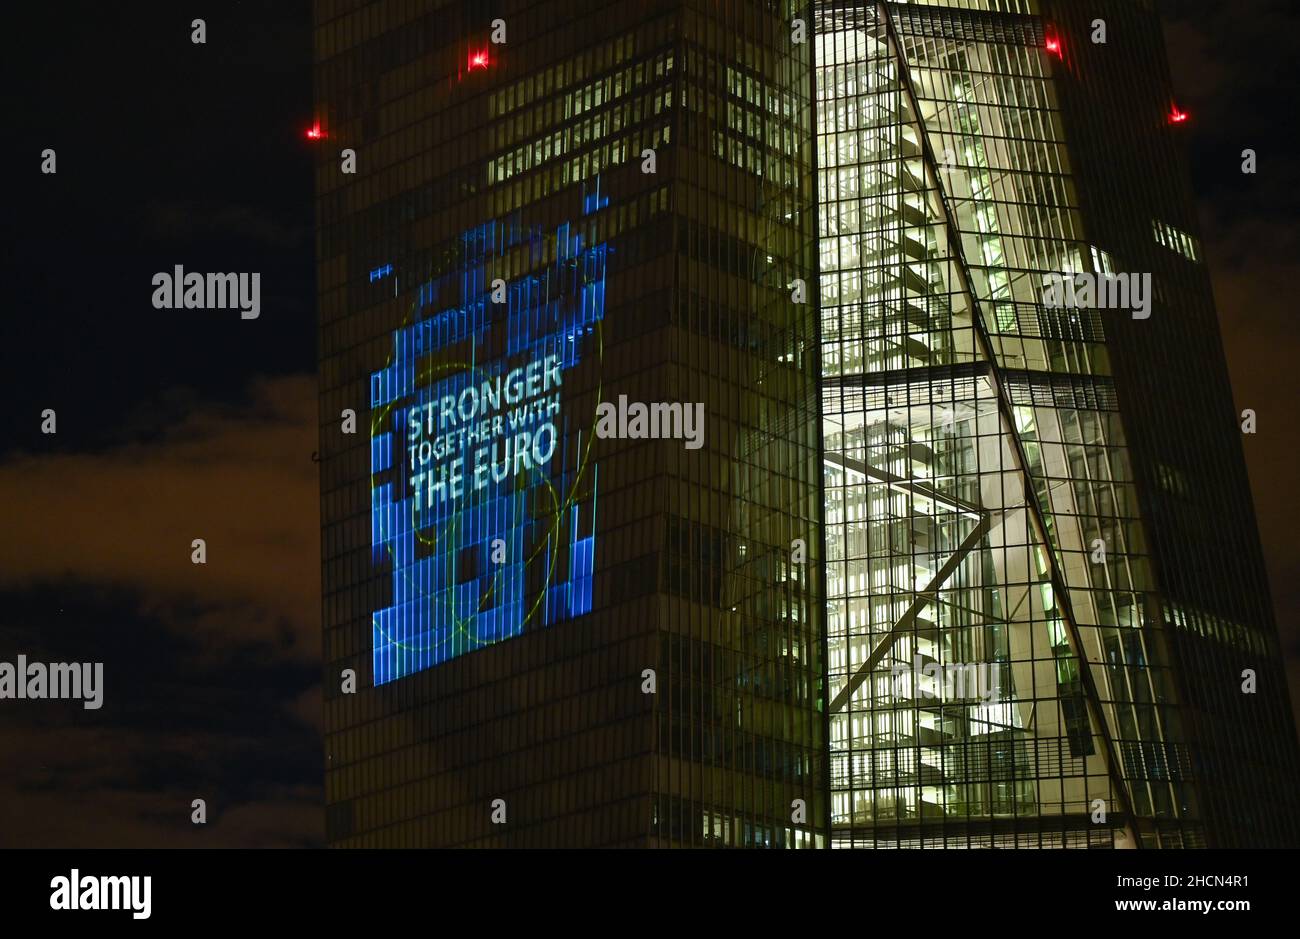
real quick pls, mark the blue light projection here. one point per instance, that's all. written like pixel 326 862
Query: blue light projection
pixel 482 494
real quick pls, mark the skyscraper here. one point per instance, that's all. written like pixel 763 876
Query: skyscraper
pixel 960 551
pixel 539 631
pixel 1048 621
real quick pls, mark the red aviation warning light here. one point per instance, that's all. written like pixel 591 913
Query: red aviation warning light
pixel 1177 115
pixel 1052 41
pixel 314 132
pixel 476 60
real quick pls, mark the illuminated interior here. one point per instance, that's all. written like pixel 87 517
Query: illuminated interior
pixel 980 505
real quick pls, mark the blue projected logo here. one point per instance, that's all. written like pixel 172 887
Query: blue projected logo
pixel 482 491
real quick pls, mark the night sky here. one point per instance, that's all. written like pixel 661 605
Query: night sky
pixel 183 424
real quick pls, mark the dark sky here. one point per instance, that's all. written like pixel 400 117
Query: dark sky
pixel 174 425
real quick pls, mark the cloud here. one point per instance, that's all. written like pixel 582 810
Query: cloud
pixel 1195 60
pixel 187 219
pixel 308 708
pixel 1215 51
pixel 1255 261
pixel 87 787
pixel 242 479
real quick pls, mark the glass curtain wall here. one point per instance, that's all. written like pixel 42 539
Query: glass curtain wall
pixel 996 668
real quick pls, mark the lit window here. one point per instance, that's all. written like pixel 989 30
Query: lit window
pixel 1176 240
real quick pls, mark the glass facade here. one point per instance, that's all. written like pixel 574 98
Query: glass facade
pixel 990 510
pixel 557 637
pixel 956 564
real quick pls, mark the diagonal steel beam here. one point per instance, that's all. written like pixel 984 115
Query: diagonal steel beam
pixel 923 597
